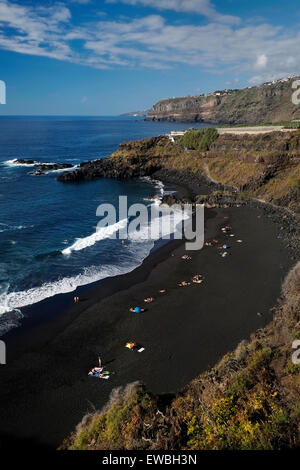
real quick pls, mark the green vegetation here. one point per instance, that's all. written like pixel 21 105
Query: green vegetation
pixel 118 424
pixel 295 182
pixel 292 368
pixel 199 139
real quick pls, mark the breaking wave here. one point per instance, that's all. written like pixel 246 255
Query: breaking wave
pixel 100 234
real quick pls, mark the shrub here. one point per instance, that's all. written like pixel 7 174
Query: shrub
pixel 292 368
pixel 294 182
pixel 200 139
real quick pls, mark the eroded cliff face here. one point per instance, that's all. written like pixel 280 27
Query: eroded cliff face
pixel 269 102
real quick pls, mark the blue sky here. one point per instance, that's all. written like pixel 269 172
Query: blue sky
pixel 106 57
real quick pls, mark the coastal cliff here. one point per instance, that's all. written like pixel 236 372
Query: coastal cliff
pixel 265 166
pixel 270 102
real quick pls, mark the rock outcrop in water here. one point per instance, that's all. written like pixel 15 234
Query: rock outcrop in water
pixel 269 102
pixel 41 168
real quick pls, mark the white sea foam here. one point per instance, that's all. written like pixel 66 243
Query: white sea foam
pixel 162 225
pixel 14 163
pixel 11 302
pixel 159 227
pixel 10 228
pixel 100 234
pixel 159 185
pixel 61 170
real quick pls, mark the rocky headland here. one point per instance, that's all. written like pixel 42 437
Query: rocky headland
pixel 270 102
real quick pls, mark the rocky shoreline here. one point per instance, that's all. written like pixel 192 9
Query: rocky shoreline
pixel 42 168
pixel 199 188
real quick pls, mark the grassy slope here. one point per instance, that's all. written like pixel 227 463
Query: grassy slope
pixel 262 166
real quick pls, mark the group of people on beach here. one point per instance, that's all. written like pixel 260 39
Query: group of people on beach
pixel 224 248
pixel 100 370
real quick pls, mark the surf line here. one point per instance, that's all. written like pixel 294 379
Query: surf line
pixel 176 219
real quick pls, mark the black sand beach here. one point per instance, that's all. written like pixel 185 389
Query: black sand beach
pixel 45 390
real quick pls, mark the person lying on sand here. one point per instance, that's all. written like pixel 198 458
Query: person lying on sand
pixel 162 291
pixel 148 300
pixel 186 257
pixel 136 309
pixel 100 374
pixel 134 346
pixel 226 229
pixel 197 279
pixel 184 284
pixel 97 369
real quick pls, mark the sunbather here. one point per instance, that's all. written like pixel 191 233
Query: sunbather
pixel 184 284
pixel 197 279
pixel 96 369
pixel 130 345
pixel 136 309
pixel 148 300
pixel 186 257
pixel 134 346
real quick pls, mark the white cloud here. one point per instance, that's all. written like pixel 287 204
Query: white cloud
pixel 202 7
pixel 150 41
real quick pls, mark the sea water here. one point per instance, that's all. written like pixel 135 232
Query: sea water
pixel 48 238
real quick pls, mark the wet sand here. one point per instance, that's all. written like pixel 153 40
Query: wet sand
pixel 45 390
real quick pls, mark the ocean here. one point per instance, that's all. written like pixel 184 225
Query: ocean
pixel 48 238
